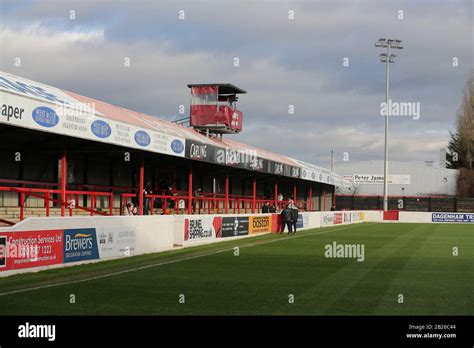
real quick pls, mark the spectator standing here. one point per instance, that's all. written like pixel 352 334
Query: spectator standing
pixel 286 218
pixel 294 217
pixel 279 201
pixel 128 209
pixel 266 208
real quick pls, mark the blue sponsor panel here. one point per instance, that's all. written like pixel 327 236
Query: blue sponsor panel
pixel 101 129
pixel 177 146
pixel 452 217
pixel 45 117
pixel 142 138
pixel 300 221
pixel 80 244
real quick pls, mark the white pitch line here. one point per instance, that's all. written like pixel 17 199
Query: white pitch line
pixel 165 263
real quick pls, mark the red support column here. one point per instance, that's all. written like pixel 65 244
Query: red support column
pixel 111 204
pixel 63 182
pixel 310 197
pixel 22 206
pixel 92 204
pixel 254 198
pixel 141 187
pixel 275 198
pixel 47 203
pixel 190 191
pixel 227 193
pixel 294 193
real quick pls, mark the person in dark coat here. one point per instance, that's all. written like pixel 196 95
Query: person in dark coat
pixel 294 217
pixel 286 218
pixel 266 208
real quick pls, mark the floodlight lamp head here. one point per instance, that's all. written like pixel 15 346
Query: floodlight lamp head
pixel 396 44
pixel 381 43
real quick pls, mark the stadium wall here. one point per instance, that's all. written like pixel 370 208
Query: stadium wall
pixel 55 242
pixel 46 243
pixel 63 242
pixel 440 217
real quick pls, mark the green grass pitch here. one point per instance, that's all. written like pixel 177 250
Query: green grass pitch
pixel 414 260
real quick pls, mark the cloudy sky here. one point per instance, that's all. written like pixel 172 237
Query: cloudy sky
pixel 81 46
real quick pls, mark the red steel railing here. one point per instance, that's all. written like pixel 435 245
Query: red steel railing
pixel 45 194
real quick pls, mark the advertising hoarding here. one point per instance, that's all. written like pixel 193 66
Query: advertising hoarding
pixel 260 224
pixel 235 226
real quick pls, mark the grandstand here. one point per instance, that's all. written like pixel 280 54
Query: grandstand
pixel 66 154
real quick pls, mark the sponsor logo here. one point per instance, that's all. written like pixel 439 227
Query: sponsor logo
pixel 328 219
pixel 336 250
pixel 142 138
pixel 378 179
pixel 29 90
pixel 101 129
pixel 256 164
pixel 45 117
pixel 235 226
pixel 295 172
pixel 37 331
pixel 217 224
pixel 355 216
pixel 453 217
pixel 106 238
pixel 258 224
pixel 313 176
pixel 278 169
pixel 194 229
pixel 3 251
pixel 301 221
pixel 198 151
pixel 9 111
pixel 337 218
pixel 347 217
pixel 80 244
pixel 177 146
pixel 27 249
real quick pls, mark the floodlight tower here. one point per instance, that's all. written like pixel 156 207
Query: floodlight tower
pixel 387 58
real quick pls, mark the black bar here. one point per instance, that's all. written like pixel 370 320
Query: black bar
pixel 193 330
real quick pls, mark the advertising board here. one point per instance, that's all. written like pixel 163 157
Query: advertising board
pixel 235 226
pixel 260 224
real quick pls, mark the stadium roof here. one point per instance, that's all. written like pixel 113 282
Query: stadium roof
pixel 224 88
pixel 49 109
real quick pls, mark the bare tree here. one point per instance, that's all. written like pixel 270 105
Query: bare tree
pixel 465 125
pixel 461 146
